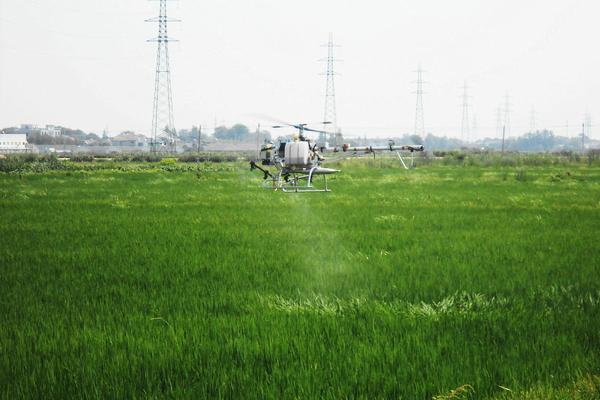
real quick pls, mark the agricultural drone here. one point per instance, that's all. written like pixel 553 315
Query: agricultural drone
pixel 298 161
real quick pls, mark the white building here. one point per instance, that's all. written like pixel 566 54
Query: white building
pixel 129 139
pixel 51 130
pixel 29 129
pixel 13 143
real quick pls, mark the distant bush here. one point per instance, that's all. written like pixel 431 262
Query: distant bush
pixel 168 161
pixel 209 157
pixel 19 163
pixel 30 162
pixel 29 157
pixel 510 159
pixel 593 156
pixel 447 153
pixel 136 157
pixel 11 164
pixel 120 157
pixel 149 157
pixel 81 158
pixel 521 175
pixel 454 158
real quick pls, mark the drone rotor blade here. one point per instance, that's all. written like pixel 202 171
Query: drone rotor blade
pixel 315 130
pixel 270 119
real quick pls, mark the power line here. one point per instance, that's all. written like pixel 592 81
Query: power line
pixel 408 127
pixel 85 9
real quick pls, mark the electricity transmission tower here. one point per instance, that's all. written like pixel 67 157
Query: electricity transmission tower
pixel 532 121
pixel 419 115
pixel 163 125
pixel 583 138
pixel 330 114
pixel 465 126
pixel 499 121
pixel 507 114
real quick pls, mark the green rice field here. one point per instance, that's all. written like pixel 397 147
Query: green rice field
pixel 165 280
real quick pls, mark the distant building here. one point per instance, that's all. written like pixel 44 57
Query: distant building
pixel 52 131
pixel 49 130
pixel 129 139
pixel 29 129
pixel 13 143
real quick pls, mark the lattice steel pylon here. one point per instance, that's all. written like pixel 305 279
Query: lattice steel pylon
pixel 465 131
pixel 163 124
pixel 419 114
pixel 532 121
pixel 499 121
pixel 506 111
pixel 330 114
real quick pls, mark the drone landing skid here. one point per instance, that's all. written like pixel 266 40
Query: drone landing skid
pixel 412 160
pixel 294 182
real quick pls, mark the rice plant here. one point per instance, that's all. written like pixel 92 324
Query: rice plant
pixel 187 280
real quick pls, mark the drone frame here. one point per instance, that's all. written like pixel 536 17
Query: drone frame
pixel 299 177
pixel 405 164
pixel 295 181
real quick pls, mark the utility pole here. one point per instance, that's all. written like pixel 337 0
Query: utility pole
pixel 162 115
pixel 503 137
pixel 330 115
pixel 419 114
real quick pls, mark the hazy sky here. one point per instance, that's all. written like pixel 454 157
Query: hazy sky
pixel 86 64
